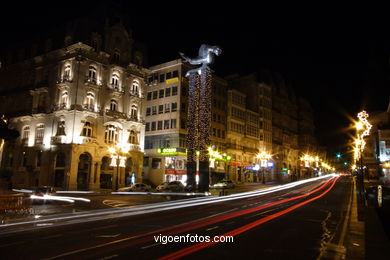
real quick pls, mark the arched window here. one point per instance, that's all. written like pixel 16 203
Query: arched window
pixel 39 133
pixel 25 135
pixel 111 134
pixel 87 129
pixel 61 128
pixel 67 72
pixel 134 112
pixel 64 99
pixel 133 139
pixel 113 105
pixel 115 81
pixel 92 74
pixel 90 101
pixel 135 88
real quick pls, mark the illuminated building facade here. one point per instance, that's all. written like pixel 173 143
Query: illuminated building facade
pixel 376 154
pixel 166 108
pixel 70 102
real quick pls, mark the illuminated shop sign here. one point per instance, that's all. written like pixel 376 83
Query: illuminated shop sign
pixel 172 80
pixel 171 151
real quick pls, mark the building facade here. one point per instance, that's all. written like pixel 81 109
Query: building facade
pixel 75 100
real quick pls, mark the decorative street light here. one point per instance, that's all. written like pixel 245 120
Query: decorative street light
pixel 264 158
pixel 117 159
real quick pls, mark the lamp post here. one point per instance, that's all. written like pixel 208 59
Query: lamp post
pixel 264 157
pixel 117 160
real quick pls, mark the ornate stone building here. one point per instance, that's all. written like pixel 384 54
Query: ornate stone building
pixel 71 101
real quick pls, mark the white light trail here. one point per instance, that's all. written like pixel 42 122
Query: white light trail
pixel 159 207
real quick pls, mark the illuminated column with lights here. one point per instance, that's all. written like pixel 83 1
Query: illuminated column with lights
pixel 192 127
pixel 199 115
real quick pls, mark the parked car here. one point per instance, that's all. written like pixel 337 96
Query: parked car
pixel 175 186
pixel 136 187
pixel 224 184
pixel 162 187
pixel 39 194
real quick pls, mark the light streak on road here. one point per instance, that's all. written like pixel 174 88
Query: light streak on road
pixel 156 207
pixel 194 248
pixel 58 198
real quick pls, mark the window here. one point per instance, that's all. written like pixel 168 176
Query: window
pixel 111 134
pixel 154 110
pixel 90 100
pixel 169 75
pixel 153 126
pixel 87 129
pixel 173 123
pixel 161 93
pixel 92 74
pixel 167 108
pixel 150 80
pixel 159 125
pixel 135 88
pixel 174 107
pixel 64 99
pixel 155 94
pixel 149 96
pixel 166 124
pixel 183 107
pixel 115 81
pixel 160 109
pixel 61 128
pixel 175 74
pixel 25 135
pixel 134 112
pixel 148 111
pixel 156 163
pixel 67 71
pixel 183 91
pixel 168 92
pixel 162 78
pixel 39 133
pixel 174 91
pixel 133 137
pixel 147 127
pixel 113 105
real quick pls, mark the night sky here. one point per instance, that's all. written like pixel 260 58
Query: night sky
pixel 339 63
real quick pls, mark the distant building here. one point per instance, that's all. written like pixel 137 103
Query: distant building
pixel 71 99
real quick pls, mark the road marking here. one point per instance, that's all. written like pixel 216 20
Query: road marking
pixel 212 228
pixel 149 246
pixel 108 236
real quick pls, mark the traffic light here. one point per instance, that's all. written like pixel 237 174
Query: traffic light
pixel 338 155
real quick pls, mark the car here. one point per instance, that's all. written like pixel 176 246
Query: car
pixel 224 184
pixel 163 186
pixel 175 186
pixel 142 187
pixel 38 195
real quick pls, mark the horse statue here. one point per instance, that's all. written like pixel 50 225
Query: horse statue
pixel 206 56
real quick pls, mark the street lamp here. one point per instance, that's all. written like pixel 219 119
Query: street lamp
pixel 117 159
pixel 264 157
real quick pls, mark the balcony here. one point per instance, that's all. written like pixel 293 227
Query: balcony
pixel 90 80
pixel 115 89
pixel 62 106
pixel 116 114
pixel 57 139
pixel 134 148
pixel 90 108
pixel 64 79
pixel 234 146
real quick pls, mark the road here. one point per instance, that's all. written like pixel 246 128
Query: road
pixel 294 223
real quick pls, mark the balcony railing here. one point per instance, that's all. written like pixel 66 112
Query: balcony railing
pixel 91 80
pixel 116 114
pixel 64 79
pixel 61 106
pixel 90 108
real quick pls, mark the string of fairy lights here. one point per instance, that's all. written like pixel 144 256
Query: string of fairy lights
pixel 363 128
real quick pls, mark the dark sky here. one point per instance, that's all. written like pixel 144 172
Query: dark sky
pixel 339 63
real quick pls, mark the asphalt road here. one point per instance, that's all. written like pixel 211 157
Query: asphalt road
pixel 296 223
